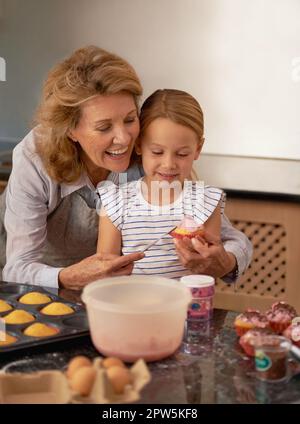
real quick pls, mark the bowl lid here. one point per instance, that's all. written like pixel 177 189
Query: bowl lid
pixel 199 280
pixel 136 294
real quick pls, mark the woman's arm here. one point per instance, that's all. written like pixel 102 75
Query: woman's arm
pixel 109 237
pixel 213 223
pixel 28 203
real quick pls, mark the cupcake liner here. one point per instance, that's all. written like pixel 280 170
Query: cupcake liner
pixel 279 327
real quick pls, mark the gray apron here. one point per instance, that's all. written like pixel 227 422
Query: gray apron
pixel 72 230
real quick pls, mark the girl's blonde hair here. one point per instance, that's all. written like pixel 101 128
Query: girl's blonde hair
pixel 176 105
pixel 88 72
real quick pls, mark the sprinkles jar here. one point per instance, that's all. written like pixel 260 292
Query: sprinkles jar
pixel 202 291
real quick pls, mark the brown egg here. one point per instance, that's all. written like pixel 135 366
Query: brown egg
pixel 119 377
pixel 76 363
pixel 83 380
pixel 111 361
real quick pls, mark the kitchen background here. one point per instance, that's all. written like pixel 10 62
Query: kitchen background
pixel 239 58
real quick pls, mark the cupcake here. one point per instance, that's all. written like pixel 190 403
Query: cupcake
pixel 187 228
pixel 280 316
pixel 248 320
pixel 57 308
pixel 18 316
pixel 34 298
pixel 292 332
pixel 248 340
pixel 6 339
pixel 4 306
pixel 40 330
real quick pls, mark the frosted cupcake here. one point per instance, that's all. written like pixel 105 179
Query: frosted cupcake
pixel 189 228
pixel 280 316
pixel 248 320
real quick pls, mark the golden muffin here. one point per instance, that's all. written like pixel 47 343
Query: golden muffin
pixel 57 308
pixel 4 306
pixel 34 298
pixel 40 330
pixel 18 316
pixel 6 339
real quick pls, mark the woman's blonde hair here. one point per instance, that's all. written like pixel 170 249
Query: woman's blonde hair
pixel 88 72
pixel 176 105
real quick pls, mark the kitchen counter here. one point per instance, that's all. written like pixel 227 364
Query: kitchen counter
pixel 210 367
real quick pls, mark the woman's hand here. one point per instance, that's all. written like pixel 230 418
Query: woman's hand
pixel 205 256
pixel 94 267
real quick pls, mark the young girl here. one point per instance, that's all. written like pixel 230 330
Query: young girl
pixel 136 213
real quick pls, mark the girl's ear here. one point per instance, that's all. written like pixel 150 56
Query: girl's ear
pixel 199 148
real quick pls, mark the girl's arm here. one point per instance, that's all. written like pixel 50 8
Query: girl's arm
pixel 213 224
pixel 109 237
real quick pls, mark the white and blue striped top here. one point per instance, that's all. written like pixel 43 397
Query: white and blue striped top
pixel 141 222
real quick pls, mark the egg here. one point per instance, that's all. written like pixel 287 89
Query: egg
pixel 83 380
pixel 119 377
pixel 111 361
pixel 76 363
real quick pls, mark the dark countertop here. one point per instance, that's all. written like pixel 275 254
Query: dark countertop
pixel 210 367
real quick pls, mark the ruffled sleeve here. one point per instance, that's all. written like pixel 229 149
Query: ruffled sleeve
pixel 112 199
pixel 205 199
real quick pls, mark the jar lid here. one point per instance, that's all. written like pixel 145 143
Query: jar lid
pixel 198 280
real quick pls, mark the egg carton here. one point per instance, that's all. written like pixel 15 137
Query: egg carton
pixel 53 387
pixel 69 326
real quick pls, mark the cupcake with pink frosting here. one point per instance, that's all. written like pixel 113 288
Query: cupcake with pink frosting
pixel 249 320
pixel 292 332
pixel 251 337
pixel 189 228
pixel 280 316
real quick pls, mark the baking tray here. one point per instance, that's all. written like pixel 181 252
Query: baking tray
pixel 70 326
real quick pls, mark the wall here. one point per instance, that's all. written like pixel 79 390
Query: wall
pixel 239 58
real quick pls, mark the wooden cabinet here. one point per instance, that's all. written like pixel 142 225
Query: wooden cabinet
pixel 273 226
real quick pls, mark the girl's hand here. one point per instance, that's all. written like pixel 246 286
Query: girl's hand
pixel 205 256
pixel 94 267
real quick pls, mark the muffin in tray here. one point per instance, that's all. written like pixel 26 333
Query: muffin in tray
pixel 292 332
pixel 34 298
pixel 4 306
pixel 280 316
pixel 248 320
pixel 39 329
pixel 57 308
pixel 18 316
pixel 247 341
pixel 6 339
pixel 187 228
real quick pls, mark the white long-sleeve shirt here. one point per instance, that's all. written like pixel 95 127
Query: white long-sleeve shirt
pixel 32 197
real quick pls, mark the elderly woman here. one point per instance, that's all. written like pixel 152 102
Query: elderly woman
pixel 87 126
